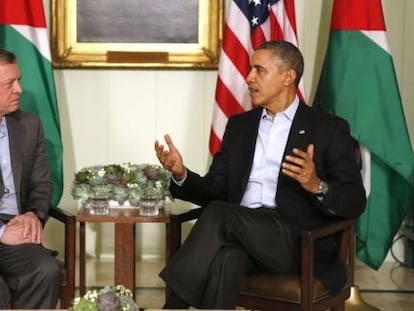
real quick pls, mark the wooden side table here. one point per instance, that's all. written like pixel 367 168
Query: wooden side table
pixel 124 220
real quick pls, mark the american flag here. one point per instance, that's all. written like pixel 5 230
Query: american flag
pixel 248 24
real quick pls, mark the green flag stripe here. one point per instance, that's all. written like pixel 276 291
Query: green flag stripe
pixel 38 97
pixel 386 208
pixel 356 63
pixel 358 83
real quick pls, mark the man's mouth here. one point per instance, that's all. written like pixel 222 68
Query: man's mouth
pixel 253 89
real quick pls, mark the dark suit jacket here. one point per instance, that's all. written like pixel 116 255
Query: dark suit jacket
pixel 29 164
pixel 335 163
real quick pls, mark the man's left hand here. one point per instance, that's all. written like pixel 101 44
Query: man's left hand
pixel 300 167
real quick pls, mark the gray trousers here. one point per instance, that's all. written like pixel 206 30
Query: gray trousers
pixel 227 242
pixel 32 273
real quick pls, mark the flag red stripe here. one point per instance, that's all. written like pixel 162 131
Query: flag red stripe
pixel 366 15
pixel 258 37
pixel 235 51
pixel 22 12
pixel 225 99
pixel 290 13
pixel 276 30
pixel 215 142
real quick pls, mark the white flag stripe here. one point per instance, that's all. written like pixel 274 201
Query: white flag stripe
pixel 240 26
pixel 366 168
pixel 38 36
pixel 379 37
pixel 280 13
pixel 231 76
pixel 219 121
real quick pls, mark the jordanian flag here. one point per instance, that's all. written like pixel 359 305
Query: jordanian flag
pixel 23 31
pixel 358 83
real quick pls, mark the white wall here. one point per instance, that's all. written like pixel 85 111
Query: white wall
pixel 115 115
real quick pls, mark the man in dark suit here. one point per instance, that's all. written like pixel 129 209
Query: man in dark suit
pixel 26 267
pixel 282 167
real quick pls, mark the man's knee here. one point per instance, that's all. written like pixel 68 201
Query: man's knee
pixel 4 294
pixel 49 271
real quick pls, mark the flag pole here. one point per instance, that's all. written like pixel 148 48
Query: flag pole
pixel 355 302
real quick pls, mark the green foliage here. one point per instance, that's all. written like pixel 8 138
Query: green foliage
pixel 110 298
pixel 120 182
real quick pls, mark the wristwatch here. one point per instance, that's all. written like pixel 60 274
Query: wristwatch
pixel 322 188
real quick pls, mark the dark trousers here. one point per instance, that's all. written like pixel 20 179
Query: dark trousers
pixel 227 242
pixel 32 273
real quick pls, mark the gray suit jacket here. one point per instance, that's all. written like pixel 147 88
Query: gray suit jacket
pixel 29 164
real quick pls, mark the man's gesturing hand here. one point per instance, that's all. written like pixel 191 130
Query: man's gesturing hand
pixel 170 158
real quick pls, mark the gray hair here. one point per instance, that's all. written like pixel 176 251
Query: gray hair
pixel 7 57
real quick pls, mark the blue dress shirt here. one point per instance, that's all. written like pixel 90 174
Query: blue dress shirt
pixel 268 156
pixel 8 202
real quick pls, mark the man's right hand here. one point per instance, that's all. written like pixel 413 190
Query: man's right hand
pixel 13 235
pixel 170 158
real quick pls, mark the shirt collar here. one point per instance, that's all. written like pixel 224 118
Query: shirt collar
pixel 289 112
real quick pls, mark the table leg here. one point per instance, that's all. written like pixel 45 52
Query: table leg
pixel 172 243
pixel 82 279
pixel 125 255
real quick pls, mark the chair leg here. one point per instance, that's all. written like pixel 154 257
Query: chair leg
pixel 340 307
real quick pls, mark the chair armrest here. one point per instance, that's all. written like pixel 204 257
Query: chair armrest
pixel 61 215
pixel 345 228
pixel 191 214
pixel 69 222
pixel 324 231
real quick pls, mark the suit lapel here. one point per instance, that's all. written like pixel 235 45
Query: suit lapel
pixel 300 130
pixel 299 134
pixel 16 143
pixel 250 137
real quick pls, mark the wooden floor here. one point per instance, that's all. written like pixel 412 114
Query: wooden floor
pixel 391 288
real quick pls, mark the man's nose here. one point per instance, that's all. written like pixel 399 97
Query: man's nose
pixel 17 88
pixel 250 76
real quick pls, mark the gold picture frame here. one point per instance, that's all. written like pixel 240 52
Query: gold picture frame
pixel 68 52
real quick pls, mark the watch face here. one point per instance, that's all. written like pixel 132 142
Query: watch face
pixel 323 187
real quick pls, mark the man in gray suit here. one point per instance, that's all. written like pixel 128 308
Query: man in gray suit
pixel 282 168
pixel 27 269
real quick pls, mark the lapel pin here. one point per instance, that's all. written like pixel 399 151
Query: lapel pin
pixel 301 132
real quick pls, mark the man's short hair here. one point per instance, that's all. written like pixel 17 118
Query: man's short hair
pixel 7 57
pixel 288 53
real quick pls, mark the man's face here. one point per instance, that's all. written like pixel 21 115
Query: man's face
pixel 266 79
pixel 10 89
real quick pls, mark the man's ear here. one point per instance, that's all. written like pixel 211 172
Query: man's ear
pixel 290 77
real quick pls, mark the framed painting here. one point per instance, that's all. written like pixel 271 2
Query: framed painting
pixel 136 33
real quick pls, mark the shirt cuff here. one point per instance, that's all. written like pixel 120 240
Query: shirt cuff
pixel 2 229
pixel 181 181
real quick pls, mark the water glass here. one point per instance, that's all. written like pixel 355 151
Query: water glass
pixel 99 205
pixel 148 206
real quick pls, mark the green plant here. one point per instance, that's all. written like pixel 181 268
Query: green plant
pixel 120 182
pixel 109 298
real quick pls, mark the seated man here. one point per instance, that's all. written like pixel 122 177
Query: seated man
pixel 282 168
pixel 26 267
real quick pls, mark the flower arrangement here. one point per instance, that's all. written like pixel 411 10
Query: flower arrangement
pixel 120 182
pixel 110 298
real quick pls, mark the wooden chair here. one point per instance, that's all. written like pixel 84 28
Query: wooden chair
pixel 67 264
pixel 289 292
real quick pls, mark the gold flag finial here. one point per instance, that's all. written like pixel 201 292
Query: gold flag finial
pixel 356 303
